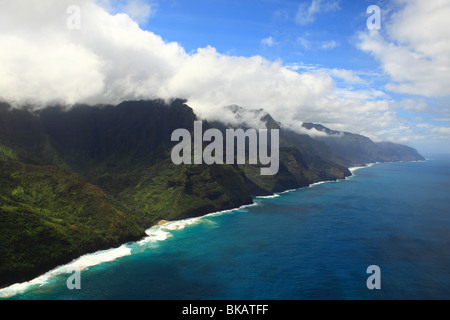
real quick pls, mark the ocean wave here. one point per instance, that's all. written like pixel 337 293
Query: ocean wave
pixel 317 184
pixel 82 263
pixel 276 195
pixel 154 235
pixel 230 211
pixel 288 191
pixel 163 232
pixel 354 169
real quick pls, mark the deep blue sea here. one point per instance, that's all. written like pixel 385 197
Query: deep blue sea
pixel 312 243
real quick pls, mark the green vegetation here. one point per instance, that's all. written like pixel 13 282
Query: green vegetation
pixel 167 191
pixel 7 154
pixel 48 216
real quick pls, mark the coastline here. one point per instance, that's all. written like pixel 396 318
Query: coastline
pixel 159 232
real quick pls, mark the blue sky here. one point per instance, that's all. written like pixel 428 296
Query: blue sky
pixel 303 60
pixel 238 28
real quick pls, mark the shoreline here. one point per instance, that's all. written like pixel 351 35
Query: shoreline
pixel 156 233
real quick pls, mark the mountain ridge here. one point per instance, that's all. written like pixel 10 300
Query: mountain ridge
pixel 357 150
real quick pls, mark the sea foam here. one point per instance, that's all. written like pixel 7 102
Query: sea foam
pixel 317 184
pixel 354 169
pixel 276 195
pixel 82 263
pixel 165 231
pixel 154 235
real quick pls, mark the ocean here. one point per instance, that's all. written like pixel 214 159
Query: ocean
pixel 311 243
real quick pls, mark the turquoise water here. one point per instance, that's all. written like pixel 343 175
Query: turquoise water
pixel 313 243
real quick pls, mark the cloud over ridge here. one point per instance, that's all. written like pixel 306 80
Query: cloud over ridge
pixel 111 59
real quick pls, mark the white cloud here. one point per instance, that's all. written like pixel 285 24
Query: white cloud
pixel 269 41
pixel 349 76
pixel 32 72
pixel 327 45
pixel 414 105
pixel 210 80
pixel 442 130
pixel 140 10
pixel 306 14
pixel 109 59
pixel 297 66
pixel 305 43
pixel 413 48
pixel 281 15
pixel 313 132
